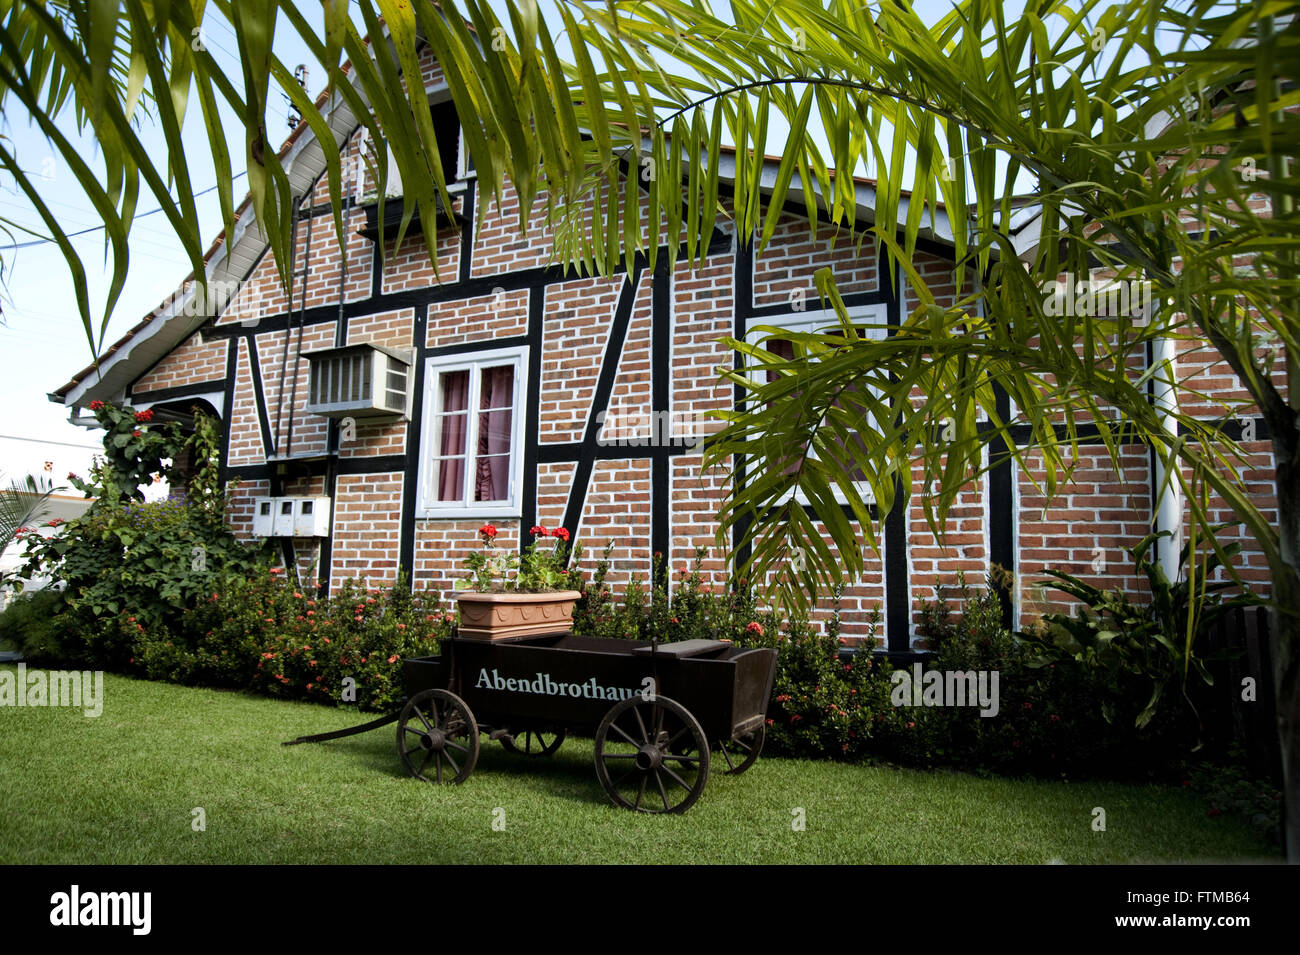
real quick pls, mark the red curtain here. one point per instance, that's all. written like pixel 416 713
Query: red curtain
pixel 496 404
pixel 451 449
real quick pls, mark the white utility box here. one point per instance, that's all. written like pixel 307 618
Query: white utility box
pixel 291 517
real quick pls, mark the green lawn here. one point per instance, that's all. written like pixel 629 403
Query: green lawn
pixel 121 789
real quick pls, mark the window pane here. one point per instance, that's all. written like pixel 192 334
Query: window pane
pixel 783 348
pixel 495 420
pixel 449 480
pixel 498 387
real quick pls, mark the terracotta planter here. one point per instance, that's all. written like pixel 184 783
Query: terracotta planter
pixel 488 616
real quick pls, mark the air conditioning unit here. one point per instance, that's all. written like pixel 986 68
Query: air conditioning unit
pixel 359 381
pixel 291 517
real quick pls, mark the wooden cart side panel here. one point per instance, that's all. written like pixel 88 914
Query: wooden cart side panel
pixel 424 673
pixel 755 676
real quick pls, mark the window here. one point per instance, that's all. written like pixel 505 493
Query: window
pixel 471 462
pixel 872 316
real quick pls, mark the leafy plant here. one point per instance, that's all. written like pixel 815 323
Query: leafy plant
pixel 124 558
pixel 543 567
pixel 1156 641
pixel 22 503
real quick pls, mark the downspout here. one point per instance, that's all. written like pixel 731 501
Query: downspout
pixel 1166 487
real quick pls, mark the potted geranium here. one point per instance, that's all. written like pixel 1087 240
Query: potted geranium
pixel 507 596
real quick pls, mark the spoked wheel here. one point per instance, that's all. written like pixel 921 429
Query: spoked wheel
pixel 534 742
pixel 437 737
pixel 652 755
pixel 739 754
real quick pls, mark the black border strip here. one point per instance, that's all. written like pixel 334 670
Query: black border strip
pixel 532 412
pixel 609 363
pixel 661 366
pixel 227 409
pixel 179 391
pixel 1000 504
pixel 255 373
pixel 317 466
pixel 411 463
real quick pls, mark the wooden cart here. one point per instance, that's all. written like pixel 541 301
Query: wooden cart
pixel 655 710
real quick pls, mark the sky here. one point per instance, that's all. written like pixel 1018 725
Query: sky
pixel 41 337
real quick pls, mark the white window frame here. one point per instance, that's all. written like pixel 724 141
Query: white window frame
pixel 427 504
pixel 877 314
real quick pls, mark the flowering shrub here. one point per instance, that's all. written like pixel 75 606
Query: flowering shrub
pixel 693 610
pixel 824 705
pixel 150 561
pixel 126 558
pixel 268 635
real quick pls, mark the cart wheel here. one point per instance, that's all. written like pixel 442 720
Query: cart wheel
pixel 436 727
pixel 652 755
pixel 739 754
pixel 534 743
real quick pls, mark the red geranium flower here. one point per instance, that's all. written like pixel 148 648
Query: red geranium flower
pixel 537 530
pixel 146 415
pixel 754 627
pixel 488 532
pixel 561 533
pixel 136 433
pixel 96 405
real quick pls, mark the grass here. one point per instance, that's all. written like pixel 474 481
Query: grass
pixel 121 789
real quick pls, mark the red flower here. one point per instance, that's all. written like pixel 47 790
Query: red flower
pixel 394 658
pixel 488 532
pixel 561 533
pixel 277 570
pixel 72 476
pixel 96 405
pixel 537 530
pixel 146 415
pixel 136 433
pixel 56 522
pixel 754 627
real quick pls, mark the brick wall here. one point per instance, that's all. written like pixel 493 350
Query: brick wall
pixel 1084 530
